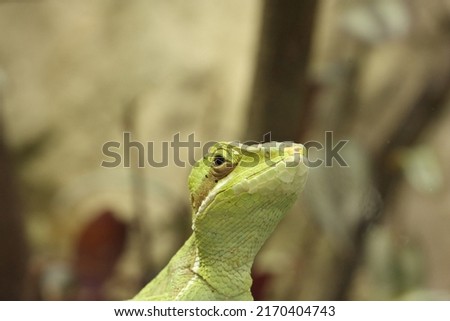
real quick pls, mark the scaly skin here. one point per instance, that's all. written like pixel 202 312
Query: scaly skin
pixel 239 194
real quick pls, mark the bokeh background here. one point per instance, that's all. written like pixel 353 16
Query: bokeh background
pixel 77 74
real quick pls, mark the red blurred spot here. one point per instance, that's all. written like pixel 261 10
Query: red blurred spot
pixel 259 286
pixel 99 246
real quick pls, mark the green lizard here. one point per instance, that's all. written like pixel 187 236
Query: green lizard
pixel 239 193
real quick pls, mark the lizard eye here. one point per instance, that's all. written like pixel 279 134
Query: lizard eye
pixel 221 166
pixel 218 160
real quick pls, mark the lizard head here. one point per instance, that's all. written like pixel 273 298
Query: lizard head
pixel 272 169
pixel 239 194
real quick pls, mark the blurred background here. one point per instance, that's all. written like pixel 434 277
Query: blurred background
pixel 77 74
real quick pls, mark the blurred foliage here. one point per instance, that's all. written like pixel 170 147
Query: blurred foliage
pixel 75 75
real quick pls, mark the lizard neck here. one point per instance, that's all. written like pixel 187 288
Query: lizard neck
pixel 229 235
pixel 225 266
